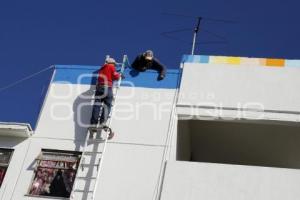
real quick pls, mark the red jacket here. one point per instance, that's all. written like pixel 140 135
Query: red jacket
pixel 107 74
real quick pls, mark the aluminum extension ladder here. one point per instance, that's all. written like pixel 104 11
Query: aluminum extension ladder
pixel 87 178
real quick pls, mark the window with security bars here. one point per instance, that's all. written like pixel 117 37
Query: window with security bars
pixel 5 156
pixel 55 173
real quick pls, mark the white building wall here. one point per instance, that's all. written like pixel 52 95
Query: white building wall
pixel 13 174
pixel 273 89
pixel 59 118
pixel 194 181
pixel 133 161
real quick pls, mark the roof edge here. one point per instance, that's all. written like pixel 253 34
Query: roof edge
pixel 235 60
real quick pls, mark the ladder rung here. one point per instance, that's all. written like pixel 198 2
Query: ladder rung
pixel 96 165
pixel 98 128
pixel 92 152
pixel 95 140
pixel 95 129
pixel 88 178
pixel 86 191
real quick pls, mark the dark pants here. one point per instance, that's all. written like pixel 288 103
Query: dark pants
pixel 102 105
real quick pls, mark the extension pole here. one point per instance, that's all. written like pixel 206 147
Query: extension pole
pixel 195 33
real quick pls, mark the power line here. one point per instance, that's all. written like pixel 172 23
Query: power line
pixel 24 79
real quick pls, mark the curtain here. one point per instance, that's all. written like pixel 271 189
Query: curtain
pixel 54 178
pixel 2 174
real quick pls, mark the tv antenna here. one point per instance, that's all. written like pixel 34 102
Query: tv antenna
pixel 221 39
pixel 195 33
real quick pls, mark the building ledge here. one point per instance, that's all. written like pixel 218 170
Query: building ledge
pixel 187 112
pixel 15 129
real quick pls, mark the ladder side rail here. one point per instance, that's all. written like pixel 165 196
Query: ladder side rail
pixel 109 123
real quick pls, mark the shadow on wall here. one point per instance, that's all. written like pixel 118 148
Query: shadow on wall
pixel 82 109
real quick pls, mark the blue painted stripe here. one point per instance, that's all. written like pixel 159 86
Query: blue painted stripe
pixel 204 59
pixel 87 75
pixel 195 59
pixel 187 59
pixel 292 63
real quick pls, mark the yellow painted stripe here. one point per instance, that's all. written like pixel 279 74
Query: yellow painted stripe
pixel 234 60
pixel 218 60
pixel 247 61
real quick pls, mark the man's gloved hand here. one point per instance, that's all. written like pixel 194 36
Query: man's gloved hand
pixel 122 76
pixel 160 77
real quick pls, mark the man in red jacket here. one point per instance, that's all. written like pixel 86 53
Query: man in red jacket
pixel 104 93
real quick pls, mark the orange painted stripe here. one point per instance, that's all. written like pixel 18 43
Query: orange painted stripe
pixel 275 62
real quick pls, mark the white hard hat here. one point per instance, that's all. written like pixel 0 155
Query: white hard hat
pixel 110 61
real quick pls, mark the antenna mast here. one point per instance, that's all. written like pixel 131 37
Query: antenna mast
pixel 195 33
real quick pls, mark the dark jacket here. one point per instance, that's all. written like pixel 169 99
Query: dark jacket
pixel 141 64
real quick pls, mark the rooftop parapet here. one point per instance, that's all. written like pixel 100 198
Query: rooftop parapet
pixel 232 60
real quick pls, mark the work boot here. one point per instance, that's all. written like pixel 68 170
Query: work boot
pixel 111 135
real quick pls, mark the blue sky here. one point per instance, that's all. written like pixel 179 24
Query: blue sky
pixel 36 34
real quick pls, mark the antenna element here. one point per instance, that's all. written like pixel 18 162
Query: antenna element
pixel 195 33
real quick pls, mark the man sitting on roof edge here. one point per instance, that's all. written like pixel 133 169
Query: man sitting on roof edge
pixel 146 61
